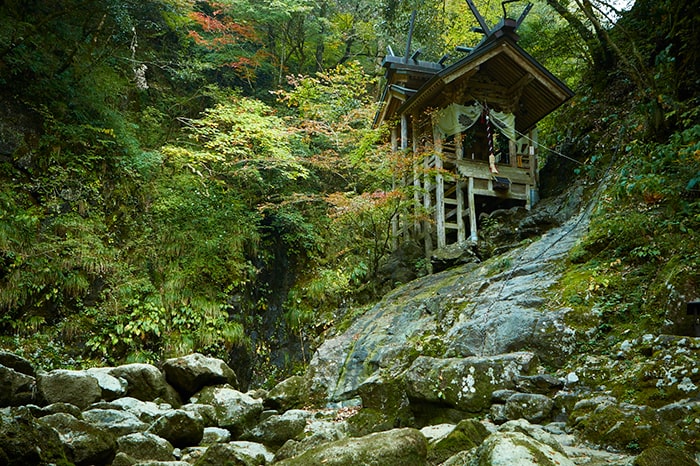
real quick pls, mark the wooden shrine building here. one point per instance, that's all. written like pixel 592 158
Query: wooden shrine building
pixel 470 130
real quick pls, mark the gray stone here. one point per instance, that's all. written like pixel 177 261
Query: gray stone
pixel 144 446
pixel 116 421
pixel 543 384
pixel 212 435
pixel 277 429
pixel 206 412
pixel 516 448
pixel 466 435
pixel 85 443
pixel 179 427
pixel 397 447
pixel 147 411
pixel 16 386
pixel 26 441
pixel 191 373
pixel 235 411
pixel 497 414
pixel 317 432
pixel 534 431
pixel 231 454
pixel 75 387
pixel 465 383
pixel 112 387
pixel 532 407
pixel 291 393
pixel 58 408
pixel 17 363
pixel 146 383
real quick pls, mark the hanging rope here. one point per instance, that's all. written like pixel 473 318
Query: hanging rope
pixel 489 138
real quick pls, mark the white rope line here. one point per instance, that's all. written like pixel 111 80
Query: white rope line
pixel 547 148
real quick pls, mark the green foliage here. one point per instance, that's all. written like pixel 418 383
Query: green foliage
pixel 661 173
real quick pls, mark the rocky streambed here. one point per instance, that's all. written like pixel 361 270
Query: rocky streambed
pixel 450 411
pixel 470 366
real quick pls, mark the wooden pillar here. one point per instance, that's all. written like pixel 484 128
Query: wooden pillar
pixel 395 219
pixel 461 227
pixel 427 206
pixel 439 191
pixel 513 151
pixel 472 210
pixel 416 178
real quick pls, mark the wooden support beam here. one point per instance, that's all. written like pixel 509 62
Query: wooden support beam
pixel 416 177
pixel 472 210
pixel 395 219
pixel 439 191
pixel 461 227
pixel 427 207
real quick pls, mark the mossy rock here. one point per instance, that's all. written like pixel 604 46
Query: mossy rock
pixel 468 434
pixel 664 456
pixel 25 441
pixel 368 421
pixel 291 393
pixel 389 399
pixel 625 427
pixel 397 447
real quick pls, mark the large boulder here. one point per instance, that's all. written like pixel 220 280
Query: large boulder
pixel 85 443
pixel 191 373
pixel 317 432
pixel 142 446
pixel 76 387
pixel 236 454
pixel 112 387
pixel 516 448
pixel 17 387
pixel 277 429
pixel 532 407
pixel 180 428
pixel 445 443
pixel 465 384
pixel 291 393
pixel 664 456
pixel 17 363
pixel 234 410
pixel 146 383
pixel 622 426
pixel 24 441
pixel 116 421
pixel 146 411
pixel 387 397
pixel 397 447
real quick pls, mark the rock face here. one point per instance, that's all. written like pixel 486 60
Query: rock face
pixel 465 383
pixel 471 310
